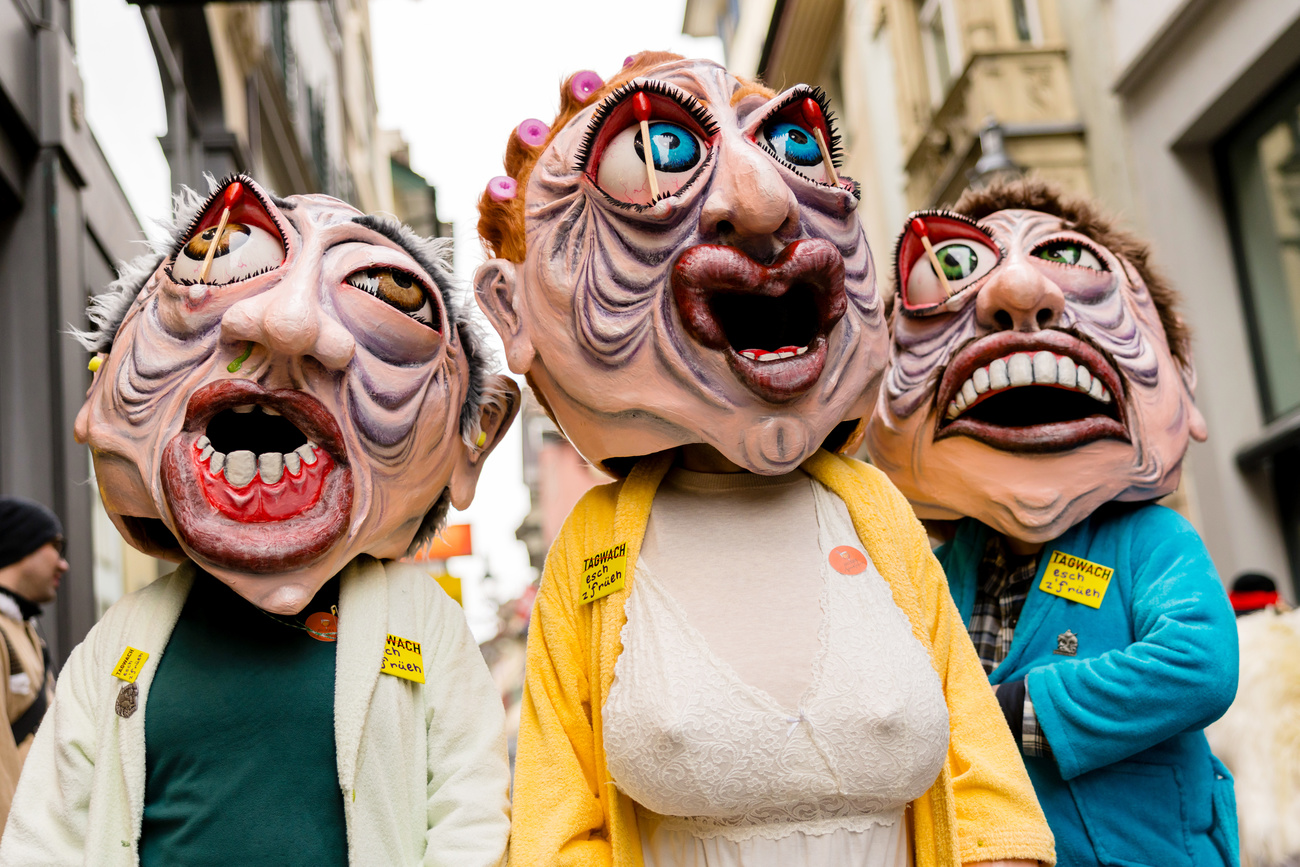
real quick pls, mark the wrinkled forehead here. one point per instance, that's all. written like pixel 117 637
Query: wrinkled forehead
pixel 1018 228
pixel 313 213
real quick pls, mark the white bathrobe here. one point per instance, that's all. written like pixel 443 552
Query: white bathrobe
pixel 422 768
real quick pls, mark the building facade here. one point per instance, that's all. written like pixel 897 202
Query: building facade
pixel 64 223
pixel 1180 116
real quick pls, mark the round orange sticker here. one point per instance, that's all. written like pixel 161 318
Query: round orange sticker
pixel 848 560
pixel 323 626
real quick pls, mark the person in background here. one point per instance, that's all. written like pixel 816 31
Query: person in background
pixel 31 564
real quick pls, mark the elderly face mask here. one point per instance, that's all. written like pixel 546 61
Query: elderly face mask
pixel 292 386
pixel 730 302
pixel 1030 384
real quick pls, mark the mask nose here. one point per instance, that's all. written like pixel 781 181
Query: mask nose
pixel 287 320
pixel 1019 297
pixel 749 199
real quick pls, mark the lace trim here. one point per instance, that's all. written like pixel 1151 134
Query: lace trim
pixel 810 827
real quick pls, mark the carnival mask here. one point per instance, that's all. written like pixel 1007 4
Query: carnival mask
pixel 730 302
pixel 1033 382
pixel 293 385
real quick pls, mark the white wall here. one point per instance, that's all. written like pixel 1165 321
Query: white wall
pixel 1192 88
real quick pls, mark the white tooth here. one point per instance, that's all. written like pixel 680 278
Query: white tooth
pixel 998 375
pixel 768 356
pixel 968 392
pixel 801 350
pixel 204 442
pixel 1084 382
pixel 953 412
pixel 1044 368
pixel 1105 395
pixel 218 461
pixel 269 411
pixel 307 453
pixel 241 466
pixel 270 466
pixel 1065 372
pixel 961 402
pixel 243 409
pixel 1096 390
pixel 1020 369
pixel 292 463
pixel 206 453
pixel 981 380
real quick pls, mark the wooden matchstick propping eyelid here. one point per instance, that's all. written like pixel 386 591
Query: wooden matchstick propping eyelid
pixel 642 111
pixel 918 226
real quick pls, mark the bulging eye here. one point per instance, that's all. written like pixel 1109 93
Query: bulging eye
pixel 400 290
pixel 234 239
pixel 962 264
pixel 796 145
pixel 241 252
pixel 622 169
pixel 1070 253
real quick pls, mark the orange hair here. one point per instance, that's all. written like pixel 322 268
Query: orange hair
pixel 501 224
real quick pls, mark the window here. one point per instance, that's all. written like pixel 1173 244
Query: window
pixel 1029 26
pixel 940 46
pixel 1260 166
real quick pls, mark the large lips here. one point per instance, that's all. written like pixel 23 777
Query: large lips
pixel 284 512
pixel 772 321
pixel 1039 391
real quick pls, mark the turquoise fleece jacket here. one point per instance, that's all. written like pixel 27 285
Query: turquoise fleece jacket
pixel 1132 782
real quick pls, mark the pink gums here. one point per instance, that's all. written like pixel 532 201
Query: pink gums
pixel 259 503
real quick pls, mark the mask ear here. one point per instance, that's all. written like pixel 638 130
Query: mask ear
pixel 496 287
pixel 501 402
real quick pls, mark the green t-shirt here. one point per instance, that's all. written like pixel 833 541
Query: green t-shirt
pixel 240 763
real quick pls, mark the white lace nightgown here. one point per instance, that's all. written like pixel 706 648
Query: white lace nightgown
pixel 736 779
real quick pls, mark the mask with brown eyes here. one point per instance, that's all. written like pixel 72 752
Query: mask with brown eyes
pixel 293 385
pixel 715 287
pixel 1033 376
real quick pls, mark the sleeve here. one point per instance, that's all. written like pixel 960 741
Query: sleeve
pixel 1179 674
pixel 468 816
pixel 51 808
pixel 10 765
pixel 997 813
pixel 559 817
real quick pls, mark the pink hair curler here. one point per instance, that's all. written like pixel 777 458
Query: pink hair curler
pixel 502 188
pixel 584 84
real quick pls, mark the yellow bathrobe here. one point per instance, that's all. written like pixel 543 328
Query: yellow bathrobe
pixel 567 810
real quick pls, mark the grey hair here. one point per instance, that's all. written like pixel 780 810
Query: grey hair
pixel 108 309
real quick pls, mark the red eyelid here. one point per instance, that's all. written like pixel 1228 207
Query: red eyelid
pixel 940 230
pixel 246 209
pixel 621 116
pixel 799 113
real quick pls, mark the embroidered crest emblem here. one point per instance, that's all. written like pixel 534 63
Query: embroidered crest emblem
pixel 127 700
pixel 1067 643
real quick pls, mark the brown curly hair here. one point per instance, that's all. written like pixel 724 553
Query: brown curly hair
pixel 1032 194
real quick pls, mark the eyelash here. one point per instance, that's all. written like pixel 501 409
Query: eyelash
pixel 688 103
pixel 1101 260
pixel 824 103
pixel 183 282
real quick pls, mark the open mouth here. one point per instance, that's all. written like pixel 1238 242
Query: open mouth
pixel 258 480
pixel 1040 391
pixel 772 321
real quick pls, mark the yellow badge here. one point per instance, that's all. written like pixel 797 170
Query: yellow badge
pixel 128 667
pixel 1076 579
pixel 604 573
pixel 402 658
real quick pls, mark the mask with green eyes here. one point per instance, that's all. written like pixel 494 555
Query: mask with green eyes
pixel 1031 378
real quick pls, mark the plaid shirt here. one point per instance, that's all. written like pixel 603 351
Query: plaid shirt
pixel 1005 579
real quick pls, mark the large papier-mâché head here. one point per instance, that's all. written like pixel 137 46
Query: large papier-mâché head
pixel 738 309
pixel 309 392
pixel 1054 378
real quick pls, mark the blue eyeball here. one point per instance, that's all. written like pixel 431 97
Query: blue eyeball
pixel 675 149
pixel 793 143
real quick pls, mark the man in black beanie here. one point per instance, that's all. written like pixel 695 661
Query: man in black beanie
pixel 31 564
